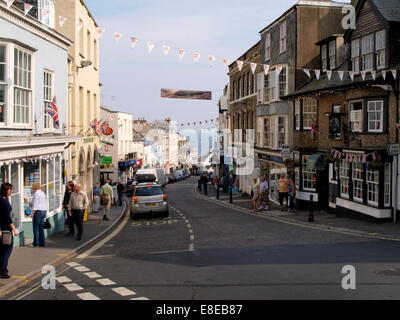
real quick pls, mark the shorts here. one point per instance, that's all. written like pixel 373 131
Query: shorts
pixel 282 196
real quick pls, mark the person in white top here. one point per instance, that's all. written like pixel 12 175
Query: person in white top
pixel 39 212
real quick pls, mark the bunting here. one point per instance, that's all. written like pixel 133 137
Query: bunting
pixel 27 8
pixel 196 57
pixel 61 21
pixel 239 64
pixel 266 68
pixel 355 158
pixel 133 42
pixel 307 72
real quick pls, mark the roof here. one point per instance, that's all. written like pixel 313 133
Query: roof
pixel 390 9
pixel 323 84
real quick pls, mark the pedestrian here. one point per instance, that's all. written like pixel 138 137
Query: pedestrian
pixel 223 183
pixel 256 194
pixel 264 194
pixel 96 198
pixel 292 196
pixel 39 212
pixel 283 190
pixel 6 225
pixel 78 203
pixel 216 182
pixel 204 180
pixel 107 195
pixel 68 191
pixel 115 193
pixel 211 177
pixel 120 190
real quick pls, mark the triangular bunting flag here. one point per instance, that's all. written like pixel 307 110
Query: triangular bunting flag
pixel 211 59
pixel 226 62
pixel 253 67
pixel 166 49
pixel 100 32
pixel 279 70
pixel 317 73
pixel 181 53
pixel 329 74
pixel 373 73
pixel 27 8
pixel 266 68
pixel 9 3
pixel 384 75
pixel 307 71
pixel 117 36
pixel 240 64
pixel 133 42
pixel 196 57
pixel 351 74
pixel 61 21
pixel 394 73
pixel 363 74
pixel 341 74
pixel 150 46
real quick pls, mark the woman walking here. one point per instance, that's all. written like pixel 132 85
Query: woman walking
pixel 39 212
pixel 256 194
pixel 67 196
pixel 6 224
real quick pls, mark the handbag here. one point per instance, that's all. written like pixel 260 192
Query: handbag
pixel 6 238
pixel 47 224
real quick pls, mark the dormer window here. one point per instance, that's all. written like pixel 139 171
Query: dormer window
pixel 332 55
pixel 328 55
pixel 324 57
pixel 367 53
pixel 355 55
pixel 380 46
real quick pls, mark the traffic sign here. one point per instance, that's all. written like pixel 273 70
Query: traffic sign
pixel 393 149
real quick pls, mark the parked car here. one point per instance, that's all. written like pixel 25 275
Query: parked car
pixel 179 175
pixel 149 200
pixel 157 172
pixel 171 178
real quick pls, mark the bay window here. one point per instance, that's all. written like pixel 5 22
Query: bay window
pixel 367 53
pixel 355 55
pixel 373 187
pixel 380 46
pixel 281 132
pixel 388 183
pixel 22 87
pixel 358 181
pixel 324 58
pixel 332 55
pixel 344 173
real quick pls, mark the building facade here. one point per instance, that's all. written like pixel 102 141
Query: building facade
pixel 348 165
pixel 31 142
pixel 83 158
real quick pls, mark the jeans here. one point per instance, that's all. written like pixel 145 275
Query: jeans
pixel 38 229
pixel 205 188
pixel 5 253
pixel 77 218
pixel 292 203
pixel 120 196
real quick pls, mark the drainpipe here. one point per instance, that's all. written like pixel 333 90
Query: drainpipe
pixel 397 162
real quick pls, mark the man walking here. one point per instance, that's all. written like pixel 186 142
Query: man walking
pixel 107 195
pixel 121 190
pixel 78 203
pixel 264 194
pixel 283 190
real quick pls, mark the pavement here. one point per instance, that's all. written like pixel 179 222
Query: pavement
pixel 364 226
pixel 26 263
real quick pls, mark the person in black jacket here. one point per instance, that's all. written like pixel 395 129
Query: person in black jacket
pixel 6 224
pixel 67 195
pixel 120 190
pixel 204 180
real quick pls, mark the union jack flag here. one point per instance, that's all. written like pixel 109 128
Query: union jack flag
pixel 52 110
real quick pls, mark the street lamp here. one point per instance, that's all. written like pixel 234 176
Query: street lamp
pixel 84 64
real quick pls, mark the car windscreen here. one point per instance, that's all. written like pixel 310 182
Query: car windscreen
pixel 149 191
pixel 145 178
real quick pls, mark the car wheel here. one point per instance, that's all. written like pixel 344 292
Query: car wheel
pixel 165 214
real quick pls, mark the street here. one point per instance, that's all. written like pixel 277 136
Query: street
pixel 209 252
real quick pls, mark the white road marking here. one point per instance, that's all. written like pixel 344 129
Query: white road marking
pixel 73 287
pixel 106 282
pixel 191 231
pixel 124 292
pixel 141 298
pixel 88 296
pixel 63 279
pixel 164 252
pixel 82 269
pixel 73 264
pixel 105 240
pixel 192 237
pixel 191 247
pixel 92 275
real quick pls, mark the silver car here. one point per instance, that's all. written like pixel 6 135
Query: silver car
pixel 149 199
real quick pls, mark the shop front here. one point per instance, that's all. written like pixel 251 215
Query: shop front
pixel 271 167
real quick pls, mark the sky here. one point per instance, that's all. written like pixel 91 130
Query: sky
pixel 132 78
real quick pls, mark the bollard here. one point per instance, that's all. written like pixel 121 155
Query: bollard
pixel 218 191
pixel 311 210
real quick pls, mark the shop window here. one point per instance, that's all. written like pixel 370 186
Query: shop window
pixel 3 85
pixel 344 179
pixel 4 174
pixel 358 181
pixel 309 176
pixel 16 196
pixel 373 187
pixel 51 186
pixel 388 183
pixel 44 175
pixel 31 175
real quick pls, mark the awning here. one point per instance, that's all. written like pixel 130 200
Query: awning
pixel 316 162
pixel 127 164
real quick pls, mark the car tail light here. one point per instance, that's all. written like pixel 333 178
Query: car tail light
pixel 165 197
pixel 135 200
